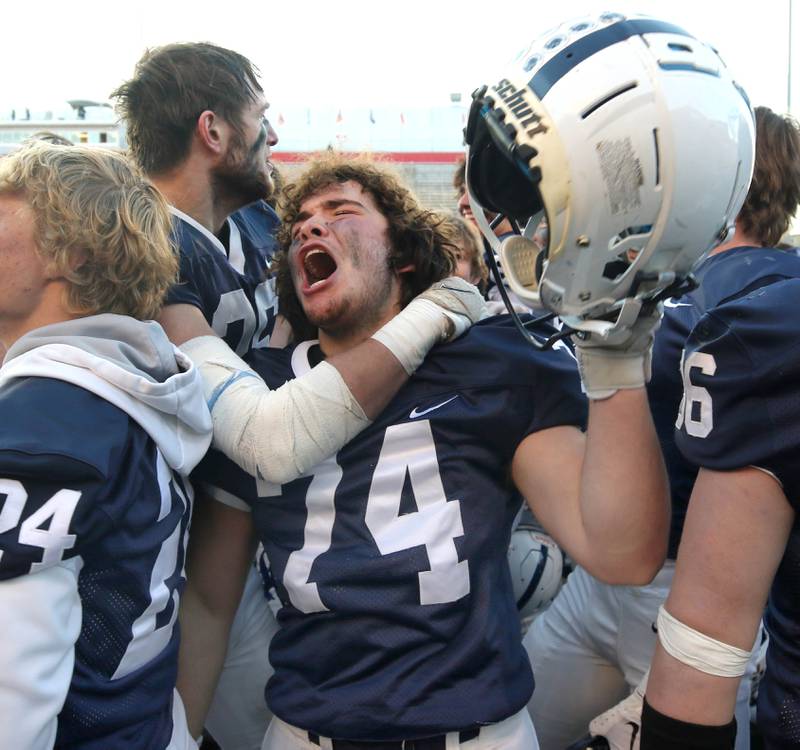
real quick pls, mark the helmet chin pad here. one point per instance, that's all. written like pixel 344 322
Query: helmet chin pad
pixel 499 180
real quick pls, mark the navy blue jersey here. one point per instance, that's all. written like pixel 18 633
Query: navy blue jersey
pixel 228 280
pixel 742 408
pixel 723 277
pixel 108 505
pixel 398 617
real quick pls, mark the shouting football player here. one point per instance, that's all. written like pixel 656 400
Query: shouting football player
pixel 398 621
pixel 196 123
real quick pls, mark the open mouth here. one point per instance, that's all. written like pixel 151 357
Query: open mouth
pixel 318 265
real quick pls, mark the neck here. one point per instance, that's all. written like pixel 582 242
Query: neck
pixel 51 309
pixel 189 188
pixel 334 341
pixel 740 239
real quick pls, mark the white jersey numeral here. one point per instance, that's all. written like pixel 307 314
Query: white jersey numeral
pixel 303 593
pixel 149 639
pixel 12 505
pixel 267 306
pixel 58 510
pixel 697 420
pixel 56 537
pixel 234 307
pixel 408 451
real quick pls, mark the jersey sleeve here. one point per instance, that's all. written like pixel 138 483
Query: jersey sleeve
pixel 40 618
pixel 225 482
pixel 190 289
pixel 741 403
pixel 48 512
pixel 557 396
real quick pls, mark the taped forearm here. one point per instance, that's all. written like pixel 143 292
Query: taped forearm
pixel 275 435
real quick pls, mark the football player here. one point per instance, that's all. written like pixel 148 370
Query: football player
pixel 196 123
pixel 607 633
pixel 594 131
pixel 611 127
pixel 399 621
pixel 101 421
pixel 737 423
pixel 740 542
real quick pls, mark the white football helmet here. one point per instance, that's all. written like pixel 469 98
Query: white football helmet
pixel 536 563
pixel 634 141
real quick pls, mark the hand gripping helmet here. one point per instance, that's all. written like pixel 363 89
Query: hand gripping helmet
pixel 633 140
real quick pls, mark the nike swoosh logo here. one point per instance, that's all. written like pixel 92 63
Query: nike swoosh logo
pixel 669 303
pixel 415 413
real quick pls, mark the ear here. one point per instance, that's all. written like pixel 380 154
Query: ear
pixel 210 131
pixel 408 268
pixel 76 259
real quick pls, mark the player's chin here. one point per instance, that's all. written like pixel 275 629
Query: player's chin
pixel 322 311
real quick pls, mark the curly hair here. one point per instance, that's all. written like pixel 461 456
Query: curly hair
pixel 774 192
pixel 417 236
pixel 98 224
pixel 170 88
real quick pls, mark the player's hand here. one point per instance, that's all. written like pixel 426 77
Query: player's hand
pixel 442 312
pixel 619 728
pixel 620 359
pixel 461 302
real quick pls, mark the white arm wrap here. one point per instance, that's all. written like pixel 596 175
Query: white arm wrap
pixel 698 650
pixel 275 435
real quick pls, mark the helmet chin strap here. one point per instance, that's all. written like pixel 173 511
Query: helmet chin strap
pixel 522 327
pixel 492 244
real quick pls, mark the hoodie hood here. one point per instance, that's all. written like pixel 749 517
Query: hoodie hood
pixel 131 364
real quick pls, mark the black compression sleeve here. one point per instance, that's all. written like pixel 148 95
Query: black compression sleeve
pixel 660 732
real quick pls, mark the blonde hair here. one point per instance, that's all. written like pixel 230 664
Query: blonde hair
pixel 99 224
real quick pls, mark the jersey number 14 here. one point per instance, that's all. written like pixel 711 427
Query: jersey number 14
pixel 408 449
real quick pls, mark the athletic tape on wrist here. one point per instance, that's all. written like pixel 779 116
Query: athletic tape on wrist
pixel 410 335
pixel 603 373
pixel 699 651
